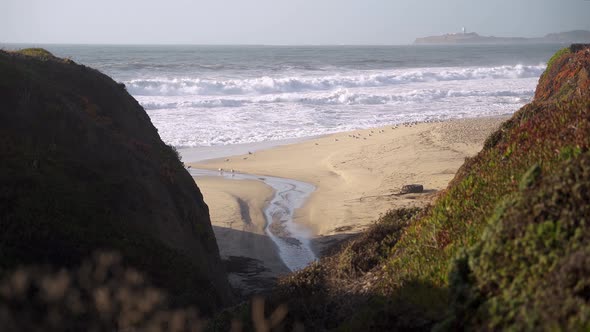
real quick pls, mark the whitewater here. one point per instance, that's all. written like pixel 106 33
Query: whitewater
pixel 200 96
pixel 198 112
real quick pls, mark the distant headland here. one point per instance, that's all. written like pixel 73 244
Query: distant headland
pixel 576 36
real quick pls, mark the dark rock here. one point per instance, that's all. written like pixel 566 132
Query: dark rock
pixel 578 47
pixel 411 189
pixel 83 168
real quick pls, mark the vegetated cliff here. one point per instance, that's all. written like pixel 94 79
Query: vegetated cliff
pixel 505 246
pixel 83 168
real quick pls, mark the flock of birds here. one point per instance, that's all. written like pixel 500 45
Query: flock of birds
pixel 372 132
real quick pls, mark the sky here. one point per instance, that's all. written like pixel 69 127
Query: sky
pixel 279 22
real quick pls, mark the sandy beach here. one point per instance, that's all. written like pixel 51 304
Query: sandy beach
pixel 356 175
pixel 236 209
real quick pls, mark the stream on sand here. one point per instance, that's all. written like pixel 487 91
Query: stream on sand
pixel 292 239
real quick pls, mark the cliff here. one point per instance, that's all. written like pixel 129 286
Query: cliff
pixel 576 36
pixel 468 38
pixel 504 247
pixel 83 169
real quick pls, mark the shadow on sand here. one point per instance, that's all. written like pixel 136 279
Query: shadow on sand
pixel 252 260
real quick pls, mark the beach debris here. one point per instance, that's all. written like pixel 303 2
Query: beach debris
pixel 344 228
pixel 249 152
pixel 411 189
pixel 316 144
pixel 245 158
pixel 232 170
pixel 189 166
pixel 335 140
pixel 227 159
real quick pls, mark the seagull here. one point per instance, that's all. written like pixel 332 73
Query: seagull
pixel 220 170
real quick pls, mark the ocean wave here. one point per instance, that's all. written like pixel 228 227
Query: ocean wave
pixel 272 85
pixel 279 122
pixel 339 97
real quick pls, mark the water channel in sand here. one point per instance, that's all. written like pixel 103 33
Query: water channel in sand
pixel 292 240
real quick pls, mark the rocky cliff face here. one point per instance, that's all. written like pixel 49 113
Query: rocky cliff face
pixel 83 168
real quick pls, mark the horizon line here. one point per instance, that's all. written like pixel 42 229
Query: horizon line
pixel 194 44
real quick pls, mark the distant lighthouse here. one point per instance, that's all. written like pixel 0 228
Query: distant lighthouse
pixel 464 30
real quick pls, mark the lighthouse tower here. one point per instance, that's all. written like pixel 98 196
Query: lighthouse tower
pixel 464 30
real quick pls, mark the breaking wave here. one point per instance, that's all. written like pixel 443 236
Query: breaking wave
pixel 292 84
pixel 338 97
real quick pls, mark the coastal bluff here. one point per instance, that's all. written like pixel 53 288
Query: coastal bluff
pixel 83 170
pixel 568 37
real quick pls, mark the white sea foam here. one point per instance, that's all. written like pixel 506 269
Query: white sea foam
pixel 290 84
pixel 206 111
pixel 338 97
pixel 196 120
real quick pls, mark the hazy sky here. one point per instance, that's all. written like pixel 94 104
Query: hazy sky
pixel 279 21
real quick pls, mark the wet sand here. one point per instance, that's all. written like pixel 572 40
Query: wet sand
pixel 236 208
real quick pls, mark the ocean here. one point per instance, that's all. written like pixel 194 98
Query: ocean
pixel 222 95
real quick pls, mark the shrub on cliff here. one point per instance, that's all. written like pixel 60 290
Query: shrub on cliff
pixel 531 270
pixel 40 53
pixel 102 294
pixel 329 292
